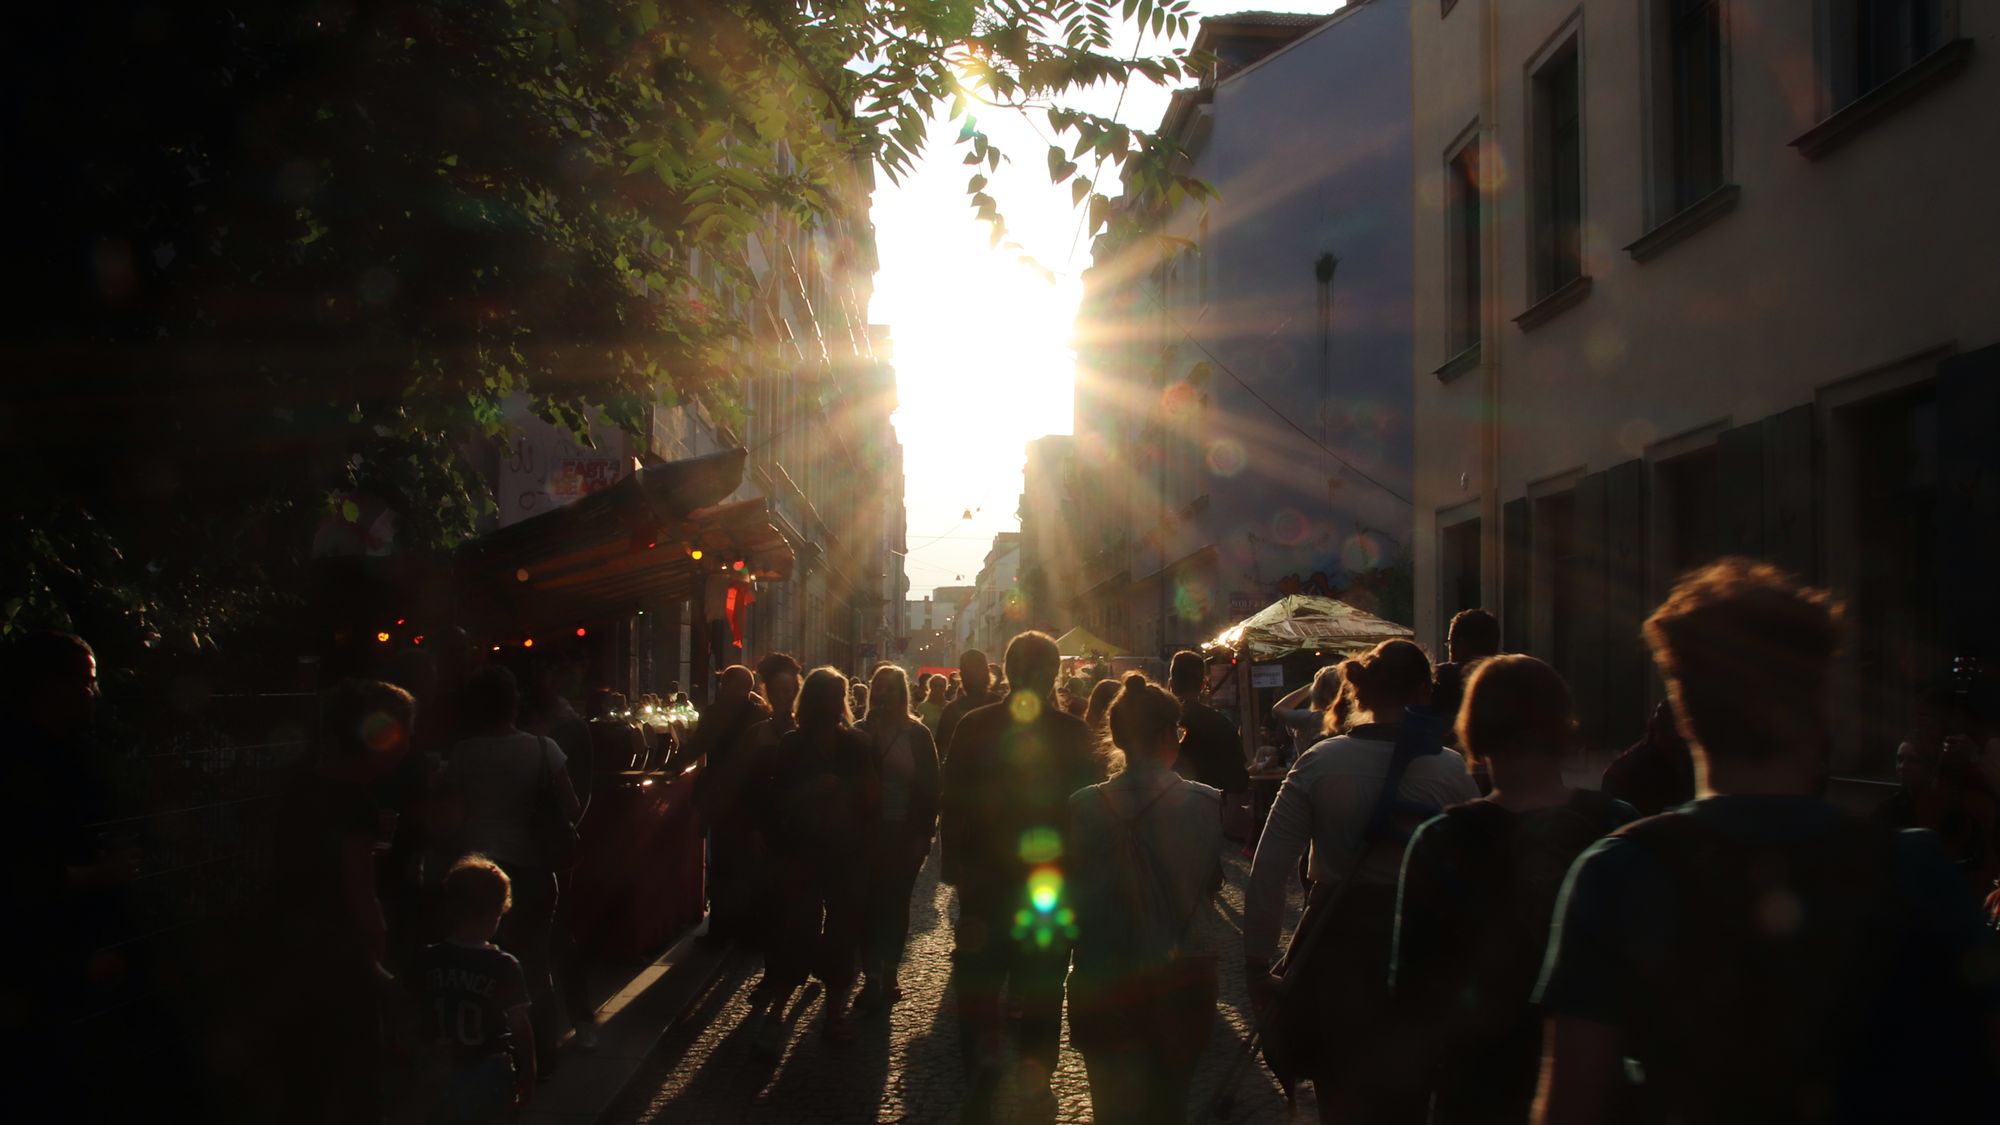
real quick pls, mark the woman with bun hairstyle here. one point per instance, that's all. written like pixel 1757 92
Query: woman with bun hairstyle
pixel 1355 797
pixel 1146 864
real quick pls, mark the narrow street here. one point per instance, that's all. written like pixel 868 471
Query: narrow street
pixel 903 1066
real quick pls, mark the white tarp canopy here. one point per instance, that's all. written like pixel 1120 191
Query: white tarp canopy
pixel 1305 623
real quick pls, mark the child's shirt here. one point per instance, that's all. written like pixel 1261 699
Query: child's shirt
pixel 467 990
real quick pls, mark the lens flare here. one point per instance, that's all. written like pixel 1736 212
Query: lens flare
pixel 1191 601
pixel 1361 552
pixel 1288 527
pixel 1226 457
pixel 1041 845
pixel 381 732
pixel 1024 707
pixel 1045 887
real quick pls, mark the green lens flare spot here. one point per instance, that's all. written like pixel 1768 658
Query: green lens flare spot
pixel 1040 845
pixel 1045 889
pixel 1024 707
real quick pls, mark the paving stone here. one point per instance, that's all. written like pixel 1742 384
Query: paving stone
pixel 903 1065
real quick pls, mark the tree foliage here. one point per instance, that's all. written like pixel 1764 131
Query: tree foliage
pixel 283 254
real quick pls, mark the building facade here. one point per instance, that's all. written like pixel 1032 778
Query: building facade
pixel 995 612
pixel 930 627
pixel 1705 277
pixel 1243 409
pixel 1051 563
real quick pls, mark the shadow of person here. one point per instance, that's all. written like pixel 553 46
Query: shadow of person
pixel 822 1081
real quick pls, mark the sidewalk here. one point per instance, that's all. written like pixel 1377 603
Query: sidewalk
pixel 903 1066
pixel 631 1025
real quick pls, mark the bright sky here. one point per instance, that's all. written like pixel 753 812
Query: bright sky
pixel 983 361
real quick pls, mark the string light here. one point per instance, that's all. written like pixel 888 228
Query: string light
pixel 581 631
pixel 695 554
pixel 529 643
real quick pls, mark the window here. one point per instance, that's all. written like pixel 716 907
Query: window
pixel 1558 184
pixel 1695 92
pixel 1880 39
pixel 1463 235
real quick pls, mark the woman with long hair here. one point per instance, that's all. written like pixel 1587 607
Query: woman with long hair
pixel 824 803
pixel 906 759
pixel 1355 797
pixel 1145 866
pixel 1097 716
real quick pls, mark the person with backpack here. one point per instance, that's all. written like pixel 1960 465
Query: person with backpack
pixel 1146 866
pixel 1478 891
pixel 1355 797
pixel 1760 955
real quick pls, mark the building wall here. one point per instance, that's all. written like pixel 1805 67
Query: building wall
pixel 994 614
pixel 1050 545
pixel 1762 349
pixel 1248 423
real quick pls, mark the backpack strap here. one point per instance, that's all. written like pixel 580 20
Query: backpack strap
pixel 1420 735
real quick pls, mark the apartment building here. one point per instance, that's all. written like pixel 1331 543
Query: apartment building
pixel 1702 277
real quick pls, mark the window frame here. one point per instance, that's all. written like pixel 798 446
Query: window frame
pixel 1545 253
pixel 1667 192
pixel 1465 328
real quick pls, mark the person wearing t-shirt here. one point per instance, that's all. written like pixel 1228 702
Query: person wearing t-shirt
pixel 474 997
pixel 1478 889
pixel 1759 955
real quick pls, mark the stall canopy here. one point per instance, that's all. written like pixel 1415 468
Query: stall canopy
pixel 1082 642
pixel 1304 623
pixel 659 534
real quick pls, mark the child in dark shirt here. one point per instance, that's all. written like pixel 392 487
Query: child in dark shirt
pixel 476 999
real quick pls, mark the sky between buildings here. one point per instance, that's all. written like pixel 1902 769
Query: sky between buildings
pixel 982 341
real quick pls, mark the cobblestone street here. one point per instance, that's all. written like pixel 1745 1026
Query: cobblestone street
pixel 903 1066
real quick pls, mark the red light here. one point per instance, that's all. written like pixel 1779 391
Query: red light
pixel 399 621
pixel 738 564
pixel 418 639
pixel 652 545
pixel 581 631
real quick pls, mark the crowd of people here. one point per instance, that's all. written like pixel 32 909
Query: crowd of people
pixel 1703 938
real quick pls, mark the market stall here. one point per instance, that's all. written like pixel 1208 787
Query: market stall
pixel 1294 635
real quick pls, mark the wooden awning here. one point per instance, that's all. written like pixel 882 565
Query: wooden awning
pixel 635 542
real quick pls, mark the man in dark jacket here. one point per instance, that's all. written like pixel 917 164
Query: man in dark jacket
pixel 1004 821
pixel 975 691
pixel 1211 746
